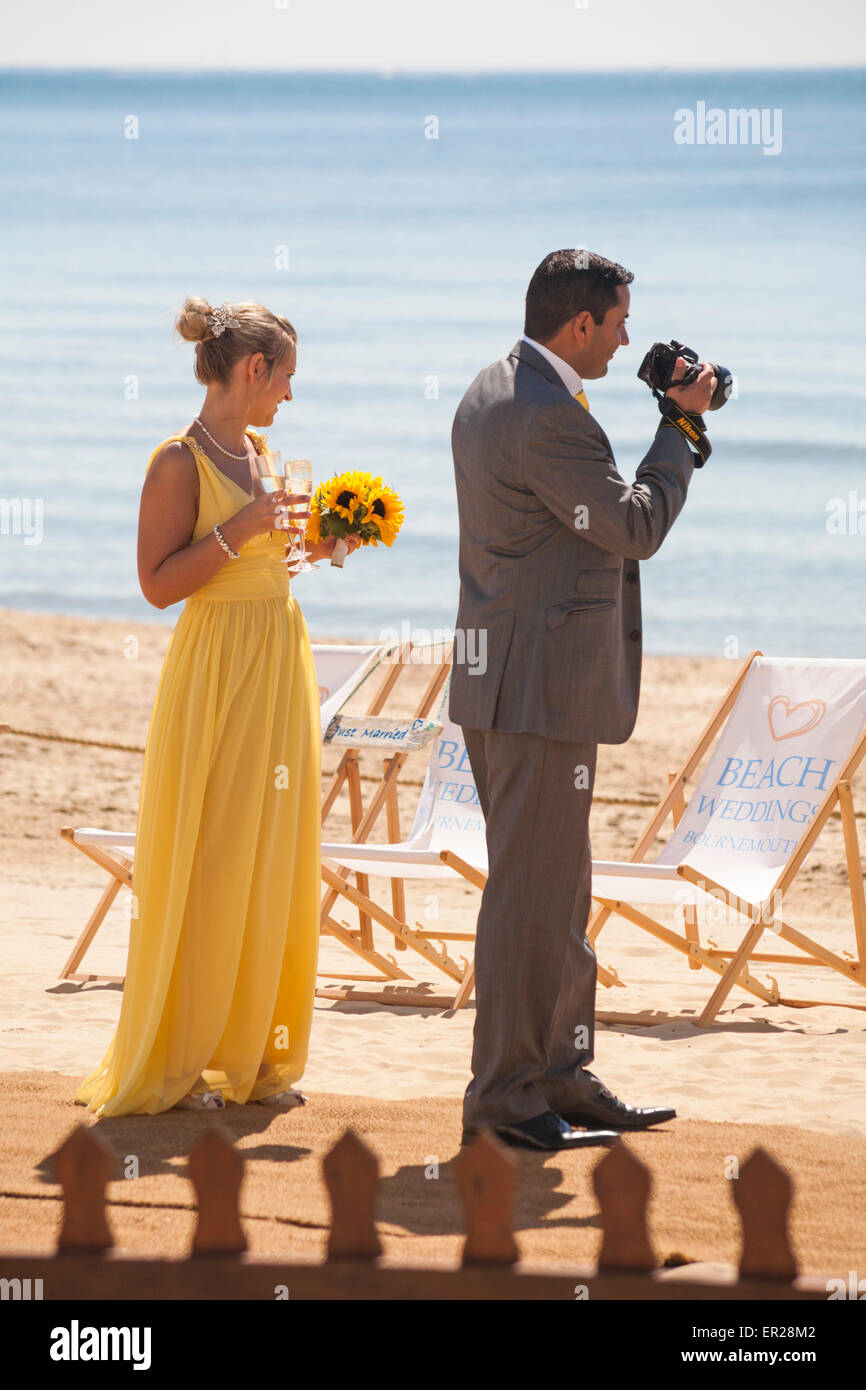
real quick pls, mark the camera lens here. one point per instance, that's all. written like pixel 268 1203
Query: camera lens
pixel 724 386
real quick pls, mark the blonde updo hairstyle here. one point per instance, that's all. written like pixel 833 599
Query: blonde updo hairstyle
pixel 253 329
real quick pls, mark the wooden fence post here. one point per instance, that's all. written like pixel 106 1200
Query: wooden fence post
pixel 762 1194
pixel 83 1165
pixel 622 1185
pixel 485 1175
pixel 351 1173
pixel 217 1170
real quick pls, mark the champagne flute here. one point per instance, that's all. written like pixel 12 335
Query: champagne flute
pixel 299 479
pixel 270 477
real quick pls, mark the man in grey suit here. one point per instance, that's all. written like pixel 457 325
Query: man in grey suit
pixel 550 539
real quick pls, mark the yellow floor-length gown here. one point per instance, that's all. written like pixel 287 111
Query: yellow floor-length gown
pixel 226 880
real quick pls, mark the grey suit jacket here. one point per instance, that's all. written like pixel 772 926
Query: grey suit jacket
pixel 548 633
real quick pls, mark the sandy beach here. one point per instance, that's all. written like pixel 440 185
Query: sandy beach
pixel 73 677
pixel 757 1068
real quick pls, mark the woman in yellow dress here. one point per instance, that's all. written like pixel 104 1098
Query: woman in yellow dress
pixel 220 978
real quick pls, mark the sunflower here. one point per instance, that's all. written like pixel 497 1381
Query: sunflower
pixel 312 530
pixel 345 493
pixel 385 511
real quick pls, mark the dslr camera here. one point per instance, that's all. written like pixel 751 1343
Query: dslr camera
pixel 657 370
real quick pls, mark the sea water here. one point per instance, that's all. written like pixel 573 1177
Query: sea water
pixel 396 221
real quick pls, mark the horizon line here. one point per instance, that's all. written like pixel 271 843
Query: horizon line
pixel 386 73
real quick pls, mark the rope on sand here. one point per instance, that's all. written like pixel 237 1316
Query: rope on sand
pixel 135 748
pixel 365 777
pixel 66 738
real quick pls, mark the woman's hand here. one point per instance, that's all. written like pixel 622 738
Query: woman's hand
pixel 324 549
pixel 262 515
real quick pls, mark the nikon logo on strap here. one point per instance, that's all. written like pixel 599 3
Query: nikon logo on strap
pixel 690 426
pixel 684 423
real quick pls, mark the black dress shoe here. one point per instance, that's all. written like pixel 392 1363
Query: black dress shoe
pixel 548 1132
pixel 605 1109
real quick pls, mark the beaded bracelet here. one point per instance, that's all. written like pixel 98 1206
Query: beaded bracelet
pixel 224 543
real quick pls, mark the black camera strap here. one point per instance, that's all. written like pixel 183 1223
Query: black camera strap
pixel 692 427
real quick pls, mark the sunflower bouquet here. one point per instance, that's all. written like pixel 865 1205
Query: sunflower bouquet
pixel 354 504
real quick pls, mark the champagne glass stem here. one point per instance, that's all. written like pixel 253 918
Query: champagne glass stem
pixel 300 474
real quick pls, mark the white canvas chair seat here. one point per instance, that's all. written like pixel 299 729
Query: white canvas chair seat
pixel 661 883
pixel 644 883
pixel 389 861
pixel 789 736
pixel 341 669
pixel 106 839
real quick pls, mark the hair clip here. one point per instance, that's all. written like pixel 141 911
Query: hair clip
pixel 221 319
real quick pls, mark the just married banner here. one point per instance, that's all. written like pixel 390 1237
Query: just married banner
pixel 792 728
pixel 375 731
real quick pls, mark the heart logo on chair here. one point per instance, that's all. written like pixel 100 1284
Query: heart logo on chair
pixel 780 723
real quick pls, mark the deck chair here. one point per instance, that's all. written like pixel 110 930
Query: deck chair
pixel 341 670
pixel 447 840
pixel 383 797
pixel 790 734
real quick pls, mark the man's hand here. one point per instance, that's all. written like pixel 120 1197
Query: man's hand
pixel 695 398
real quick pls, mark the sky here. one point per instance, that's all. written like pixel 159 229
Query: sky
pixel 394 36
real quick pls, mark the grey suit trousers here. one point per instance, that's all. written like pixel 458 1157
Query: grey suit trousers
pixel 535 971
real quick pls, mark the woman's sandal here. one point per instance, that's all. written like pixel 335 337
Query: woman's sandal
pixel 208 1100
pixel 284 1100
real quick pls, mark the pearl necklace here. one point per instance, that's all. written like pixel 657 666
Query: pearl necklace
pixel 241 458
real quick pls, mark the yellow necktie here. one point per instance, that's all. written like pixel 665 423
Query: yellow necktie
pixel 581 396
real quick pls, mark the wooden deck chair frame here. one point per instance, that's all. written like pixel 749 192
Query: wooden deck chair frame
pixel 338 885
pixel 119 869
pixel 119 866
pixel 732 966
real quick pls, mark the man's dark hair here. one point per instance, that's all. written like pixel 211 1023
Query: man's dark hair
pixel 566 283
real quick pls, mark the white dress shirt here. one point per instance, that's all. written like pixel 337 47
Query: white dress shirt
pixel 569 376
